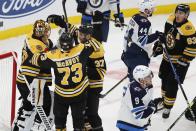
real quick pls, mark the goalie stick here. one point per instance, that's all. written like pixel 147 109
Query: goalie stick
pixel 104 95
pixel 39 109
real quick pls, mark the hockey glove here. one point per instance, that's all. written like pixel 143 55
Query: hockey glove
pixel 157 49
pixel 97 17
pixel 57 20
pixel 152 105
pixel 161 36
pixel 158 103
pixel 119 19
pixel 82 4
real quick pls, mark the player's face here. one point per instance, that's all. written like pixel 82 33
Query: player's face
pixel 180 16
pixel 149 12
pixel 147 81
pixel 83 37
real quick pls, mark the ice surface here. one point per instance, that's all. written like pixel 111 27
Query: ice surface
pixel 116 70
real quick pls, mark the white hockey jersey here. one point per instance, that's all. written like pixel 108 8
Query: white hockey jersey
pixel 139 32
pixel 102 6
pixel 135 110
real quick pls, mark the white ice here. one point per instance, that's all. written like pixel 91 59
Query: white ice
pixel 116 70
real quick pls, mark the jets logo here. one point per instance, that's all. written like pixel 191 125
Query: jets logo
pixel 95 3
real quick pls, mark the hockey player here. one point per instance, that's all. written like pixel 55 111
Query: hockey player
pixel 138 39
pixel 137 105
pixel 181 46
pixel 96 69
pixel 97 12
pixel 35 42
pixel 71 81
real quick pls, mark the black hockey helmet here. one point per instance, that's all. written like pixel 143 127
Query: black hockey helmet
pixel 184 8
pixel 86 28
pixel 66 41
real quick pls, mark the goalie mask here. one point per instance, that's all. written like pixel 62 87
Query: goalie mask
pixel 66 41
pixel 41 29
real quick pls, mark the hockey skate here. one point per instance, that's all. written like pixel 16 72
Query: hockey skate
pixel 166 113
pixel 87 126
pixel 21 119
pixel 38 126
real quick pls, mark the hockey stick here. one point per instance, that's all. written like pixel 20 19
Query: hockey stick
pixel 39 109
pixel 64 10
pixel 179 83
pixel 122 25
pixel 65 14
pixel 104 95
pixel 174 123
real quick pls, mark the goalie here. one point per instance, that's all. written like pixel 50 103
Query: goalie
pixel 35 42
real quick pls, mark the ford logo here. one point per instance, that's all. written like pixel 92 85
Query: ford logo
pixel 19 8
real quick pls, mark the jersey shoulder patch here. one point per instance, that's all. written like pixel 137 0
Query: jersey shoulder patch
pixel 187 29
pixel 35 46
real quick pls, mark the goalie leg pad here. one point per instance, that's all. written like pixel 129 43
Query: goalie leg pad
pixel 37 89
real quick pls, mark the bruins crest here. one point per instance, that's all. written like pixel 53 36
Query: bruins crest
pixel 170 40
pixel 39 47
pixel 188 27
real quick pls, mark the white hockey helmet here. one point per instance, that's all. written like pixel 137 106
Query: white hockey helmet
pixel 147 5
pixel 141 72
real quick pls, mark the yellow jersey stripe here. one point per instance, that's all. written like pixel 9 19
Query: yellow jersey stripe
pixel 72 94
pixel 30 68
pixel 76 88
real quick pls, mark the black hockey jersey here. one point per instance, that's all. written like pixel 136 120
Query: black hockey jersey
pixel 32 46
pixel 96 63
pixel 69 68
pixel 180 40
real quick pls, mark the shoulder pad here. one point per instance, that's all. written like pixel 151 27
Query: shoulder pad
pixel 171 19
pixel 58 54
pixel 36 46
pixel 95 44
pixel 187 29
pixel 99 53
pixel 138 18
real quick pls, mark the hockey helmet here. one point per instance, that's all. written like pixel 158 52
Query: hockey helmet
pixel 66 41
pixel 147 5
pixel 86 28
pixel 141 72
pixel 41 28
pixel 184 8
